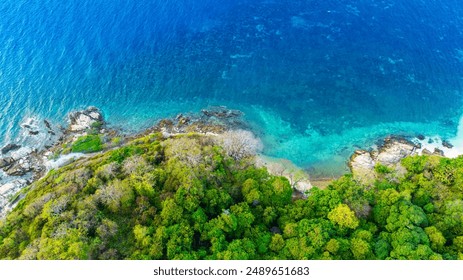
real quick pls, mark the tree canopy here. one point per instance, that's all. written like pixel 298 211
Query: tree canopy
pixel 187 198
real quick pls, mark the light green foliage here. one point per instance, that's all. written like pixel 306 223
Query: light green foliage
pixel 458 243
pixel 87 144
pixel 360 248
pixel 436 237
pixel 186 198
pixel 344 217
pixel 382 169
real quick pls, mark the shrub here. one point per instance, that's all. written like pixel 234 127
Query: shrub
pixel 382 169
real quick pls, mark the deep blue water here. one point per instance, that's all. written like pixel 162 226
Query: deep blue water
pixel 317 79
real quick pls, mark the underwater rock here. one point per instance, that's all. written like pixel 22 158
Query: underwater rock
pixel 221 112
pixel 10 147
pixel 48 125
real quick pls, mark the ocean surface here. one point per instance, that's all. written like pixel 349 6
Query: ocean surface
pixel 315 79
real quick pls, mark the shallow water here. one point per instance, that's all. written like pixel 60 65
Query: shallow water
pixel 316 79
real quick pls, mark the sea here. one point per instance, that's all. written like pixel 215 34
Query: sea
pixel 315 79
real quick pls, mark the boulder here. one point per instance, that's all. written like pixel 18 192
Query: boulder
pixel 18 169
pixel 426 152
pixel 447 144
pixel 83 120
pixel 438 152
pixel 24 165
pixel 6 162
pixel 10 147
pixel 420 137
pixel 394 150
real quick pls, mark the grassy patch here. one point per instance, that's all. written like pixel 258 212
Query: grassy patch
pixel 87 144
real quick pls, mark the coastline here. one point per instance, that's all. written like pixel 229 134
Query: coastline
pixel 50 148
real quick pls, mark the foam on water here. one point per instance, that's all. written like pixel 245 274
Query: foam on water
pixel 431 143
pixel 327 154
pixel 457 141
pixel 317 79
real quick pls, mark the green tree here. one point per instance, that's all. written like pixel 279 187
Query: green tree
pixel 343 216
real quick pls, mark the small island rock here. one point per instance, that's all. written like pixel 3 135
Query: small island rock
pixel 83 120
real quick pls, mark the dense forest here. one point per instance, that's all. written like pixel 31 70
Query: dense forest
pixel 187 197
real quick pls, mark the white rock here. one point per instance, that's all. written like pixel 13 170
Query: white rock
pixel 83 120
pixel 22 153
pixel 394 152
pixel 362 163
pixel 95 115
pixel 303 186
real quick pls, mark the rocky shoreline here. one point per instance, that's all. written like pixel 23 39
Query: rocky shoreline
pixel 21 165
pixel 389 154
pixel 48 147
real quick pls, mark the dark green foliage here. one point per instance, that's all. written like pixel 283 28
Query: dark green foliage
pixel 87 144
pixel 382 169
pixel 184 198
pixel 120 154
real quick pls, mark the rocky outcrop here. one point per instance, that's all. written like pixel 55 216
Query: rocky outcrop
pixel 6 162
pixel 23 165
pixel 89 118
pixel 213 120
pixel 362 165
pixel 9 195
pixel 20 167
pixel 392 151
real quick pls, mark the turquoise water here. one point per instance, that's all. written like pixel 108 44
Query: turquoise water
pixel 316 79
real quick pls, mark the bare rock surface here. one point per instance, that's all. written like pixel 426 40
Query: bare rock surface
pixel 22 164
pixel 83 120
pixel 393 150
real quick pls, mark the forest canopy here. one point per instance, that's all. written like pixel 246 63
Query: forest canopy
pixel 186 198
